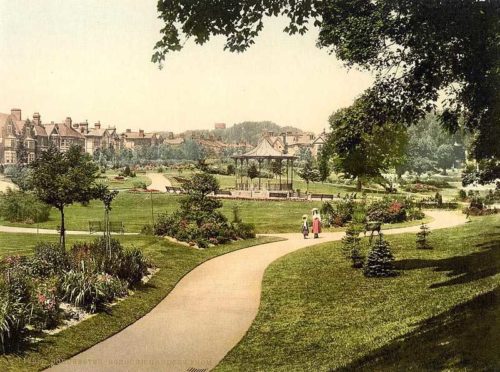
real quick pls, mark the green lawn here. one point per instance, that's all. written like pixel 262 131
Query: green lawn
pixel 127 183
pixel 23 244
pixel 134 210
pixel 174 261
pixel 442 313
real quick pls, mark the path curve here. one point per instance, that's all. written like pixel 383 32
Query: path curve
pixel 207 313
pixel 158 182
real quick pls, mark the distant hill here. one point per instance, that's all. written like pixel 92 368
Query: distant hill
pixel 247 131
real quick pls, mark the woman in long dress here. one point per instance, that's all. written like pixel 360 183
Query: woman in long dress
pixel 316 227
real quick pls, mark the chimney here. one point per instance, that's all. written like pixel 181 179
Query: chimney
pixel 68 121
pixel 128 131
pixel 97 125
pixel 84 127
pixel 37 119
pixel 16 113
pixel 285 150
pixel 141 132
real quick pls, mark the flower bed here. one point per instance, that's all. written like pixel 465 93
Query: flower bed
pixel 41 292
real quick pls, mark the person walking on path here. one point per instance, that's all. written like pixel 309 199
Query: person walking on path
pixel 316 226
pixel 305 226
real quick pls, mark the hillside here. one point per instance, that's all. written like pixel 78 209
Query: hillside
pixel 248 131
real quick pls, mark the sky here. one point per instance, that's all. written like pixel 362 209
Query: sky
pixel 91 60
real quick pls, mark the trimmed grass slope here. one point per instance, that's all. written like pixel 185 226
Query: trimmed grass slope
pixel 173 260
pixel 319 314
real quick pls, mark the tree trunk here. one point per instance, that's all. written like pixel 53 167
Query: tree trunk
pixel 358 184
pixel 62 236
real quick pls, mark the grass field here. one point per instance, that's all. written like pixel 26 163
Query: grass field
pixel 23 244
pixel 442 313
pixel 134 210
pixel 174 261
pixel 127 183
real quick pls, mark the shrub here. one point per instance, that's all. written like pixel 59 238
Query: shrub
pixel 133 266
pixel 45 304
pixel 49 259
pixel 244 230
pixel 140 185
pixel 20 206
pixel 90 291
pixel 351 245
pixel 96 257
pixel 422 238
pixel 198 220
pixel 14 314
pixel 380 260
pixel 462 195
pixel 15 302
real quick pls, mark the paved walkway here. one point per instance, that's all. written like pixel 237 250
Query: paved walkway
pixel 207 313
pixel 158 182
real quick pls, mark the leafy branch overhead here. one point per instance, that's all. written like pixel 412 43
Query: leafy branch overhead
pixel 416 48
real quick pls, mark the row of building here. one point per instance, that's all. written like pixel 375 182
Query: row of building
pixel 34 136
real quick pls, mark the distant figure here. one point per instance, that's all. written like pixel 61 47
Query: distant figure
pixel 316 228
pixel 305 226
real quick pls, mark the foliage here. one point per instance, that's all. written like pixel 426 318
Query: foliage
pixel 45 312
pixel 380 260
pixel 405 44
pixel 21 206
pixel 198 220
pixel 14 315
pixel 445 157
pixel 351 245
pixel 112 259
pixel 422 237
pixel 48 260
pixel 253 171
pixel 360 147
pixel 309 173
pixel 19 175
pixel 60 179
pixel 89 290
pixel 486 171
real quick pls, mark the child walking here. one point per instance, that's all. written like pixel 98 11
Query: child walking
pixel 305 226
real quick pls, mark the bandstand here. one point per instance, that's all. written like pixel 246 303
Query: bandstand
pixel 263 155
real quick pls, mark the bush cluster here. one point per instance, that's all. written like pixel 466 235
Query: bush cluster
pixel 21 206
pixel 198 220
pixel 89 276
pixel 387 210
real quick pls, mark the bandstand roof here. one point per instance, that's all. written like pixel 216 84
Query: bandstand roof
pixel 264 150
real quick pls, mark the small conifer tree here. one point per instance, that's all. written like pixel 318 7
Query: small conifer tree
pixel 380 260
pixel 351 245
pixel 422 239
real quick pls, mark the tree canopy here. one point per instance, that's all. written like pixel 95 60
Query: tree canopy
pixel 416 48
pixel 360 148
pixel 60 179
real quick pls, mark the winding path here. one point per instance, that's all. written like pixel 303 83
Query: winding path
pixel 158 182
pixel 207 313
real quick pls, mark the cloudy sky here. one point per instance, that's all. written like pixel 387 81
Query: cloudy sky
pixel 91 60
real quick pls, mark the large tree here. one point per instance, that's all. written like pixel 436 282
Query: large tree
pixel 416 48
pixel 60 179
pixel 362 149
